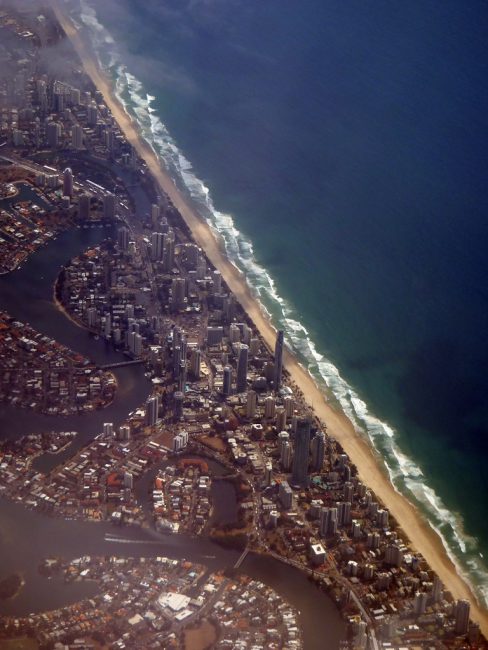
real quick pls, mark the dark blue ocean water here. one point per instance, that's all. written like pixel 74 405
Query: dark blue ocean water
pixel 348 141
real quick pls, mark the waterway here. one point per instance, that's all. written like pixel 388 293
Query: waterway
pixel 27 537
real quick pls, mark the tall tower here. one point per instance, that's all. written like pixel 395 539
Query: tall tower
pixel 227 385
pixel 123 235
pixel 195 361
pixel 178 293
pixel 301 455
pixel 92 114
pixel 437 590
pixel 77 137
pixel 242 368
pixel 217 282
pixel 109 206
pixel 152 410
pixel 68 182
pixel 84 207
pixel 168 250
pixel 251 404
pixel 462 616
pixel 278 369
pixel 53 133
pixel 318 450
pixel 156 246
pixel 155 214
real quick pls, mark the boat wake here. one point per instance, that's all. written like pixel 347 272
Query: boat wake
pixel 116 539
pixel 405 474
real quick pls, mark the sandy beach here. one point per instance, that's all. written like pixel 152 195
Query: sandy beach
pixel 371 470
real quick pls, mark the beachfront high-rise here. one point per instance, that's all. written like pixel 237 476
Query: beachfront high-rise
pixel 278 360
pixel 242 368
pixel 462 616
pixel 299 476
pixel 318 451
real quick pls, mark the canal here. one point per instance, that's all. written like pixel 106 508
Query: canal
pixel 27 537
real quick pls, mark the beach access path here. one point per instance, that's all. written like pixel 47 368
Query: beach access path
pixel 370 467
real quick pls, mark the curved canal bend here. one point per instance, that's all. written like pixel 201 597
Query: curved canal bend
pixel 27 537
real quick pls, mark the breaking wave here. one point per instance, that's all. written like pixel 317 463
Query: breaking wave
pixel 406 476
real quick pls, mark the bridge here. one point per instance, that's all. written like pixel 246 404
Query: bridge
pixel 241 558
pixel 121 364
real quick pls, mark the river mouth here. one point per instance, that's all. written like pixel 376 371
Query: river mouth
pixel 27 294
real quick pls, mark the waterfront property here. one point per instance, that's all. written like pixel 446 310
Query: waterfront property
pixel 218 391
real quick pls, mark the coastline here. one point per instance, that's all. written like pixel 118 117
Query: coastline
pixel 370 469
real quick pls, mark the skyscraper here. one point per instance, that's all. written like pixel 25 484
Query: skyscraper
pixel 289 404
pixel 269 407
pixel 84 207
pixel 108 430
pixel 92 114
pixel 178 404
pixel 152 410
pixel 109 206
pixel 318 451
pixel 123 235
pixel 156 246
pixel 251 404
pixel 242 368
pixel 462 616
pixel 301 455
pixel 278 367
pixel 437 590
pixel 168 250
pixel 328 522
pixel 285 455
pixel 420 603
pixel 124 433
pixel 53 133
pixel 178 293
pixel 280 418
pixel 227 386
pixel 217 282
pixel 77 137
pixel 155 214
pixel 195 361
pixel 68 182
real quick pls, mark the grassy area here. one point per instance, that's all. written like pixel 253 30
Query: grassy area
pixel 22 643
pixel 200 638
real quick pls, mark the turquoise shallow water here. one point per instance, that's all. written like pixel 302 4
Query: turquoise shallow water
pixel 339 148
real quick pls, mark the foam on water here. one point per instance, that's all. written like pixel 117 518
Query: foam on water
pixel 406 476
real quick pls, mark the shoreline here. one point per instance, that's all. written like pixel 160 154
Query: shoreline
pixel 422 537
pixel 60 307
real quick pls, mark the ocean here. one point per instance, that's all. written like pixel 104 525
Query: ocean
pixel 339 150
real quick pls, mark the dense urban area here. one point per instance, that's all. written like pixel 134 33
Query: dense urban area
pixel 222 411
